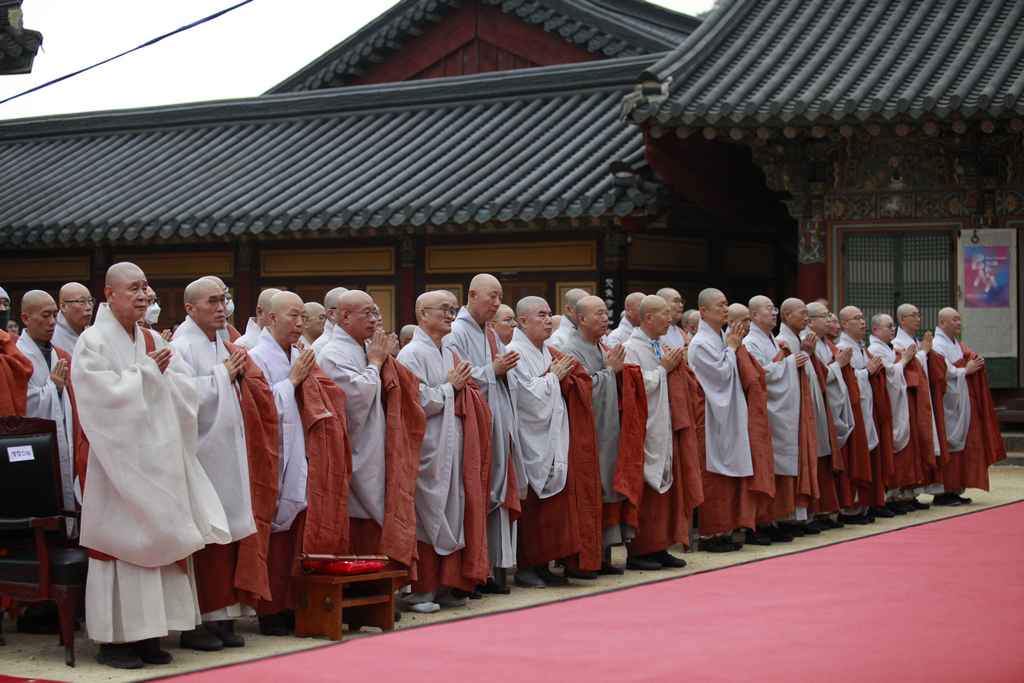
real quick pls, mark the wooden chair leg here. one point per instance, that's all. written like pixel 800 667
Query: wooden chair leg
pixel 67 604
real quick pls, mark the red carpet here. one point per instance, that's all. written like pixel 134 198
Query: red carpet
pixel 937 602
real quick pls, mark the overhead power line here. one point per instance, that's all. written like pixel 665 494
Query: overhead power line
pixel 128 52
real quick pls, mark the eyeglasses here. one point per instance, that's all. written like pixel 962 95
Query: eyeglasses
pixel 365 314
pixel 823 315
pixel 772 311
pixel 446 312
pixel 889 326
pixel 321 318
pixel 856 317
pixel 153 301
pixel 916 316
pixel 82 302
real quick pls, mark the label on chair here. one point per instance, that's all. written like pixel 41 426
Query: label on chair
pixel 20 453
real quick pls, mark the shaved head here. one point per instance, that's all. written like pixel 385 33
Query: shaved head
pixel 39 315
pixel 331 303
pixel 527 305
pixel 572 299
pixel 201 289
pixel 430 299
pixel 216 280
pixel 879 319
pixel 652 304
pixel 316 319
pixel 431 318
pixel 739 317
pixel 852 321
pixel 263 306
pixel 790 305
pixel 763 313
pixel 794 315
pixel 592 318
pixel 632 311
pixel 815 309
pixel 950 322
pixel 74 290
pixel 76 314
pixel 356 315
pixel 759 302
pixel 123 272
pixel 405 336
pixel 282 301
pixel 504 323
pixel 284 319
pixel 847 313
pixel 707 296
pixel 485 295
pixel 35 299
pixel 483 280
pixel 948 314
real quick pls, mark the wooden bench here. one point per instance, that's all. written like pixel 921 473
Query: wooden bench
pixel 320 601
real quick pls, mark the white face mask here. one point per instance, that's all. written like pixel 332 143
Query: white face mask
pixel 153 314
pixel 230 308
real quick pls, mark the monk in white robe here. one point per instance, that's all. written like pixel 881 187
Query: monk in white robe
pixel 49 392
pixel 76 306
pixel 221 451
pixel 674 338
pixel 331 308
pixel 141 523
pixel 481 348
pixel 255 326
pixel 568 322
pixel 316 320
pixel 503 324
pixel 630 320
pixel 406 335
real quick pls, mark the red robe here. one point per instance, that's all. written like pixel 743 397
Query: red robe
pixel 733 502
pixel 915 465
pixel 567 525
pixel 15 371
pixel 665 518
pixel 856 477
pixel 882 457
pixel 629 465
pixel 467 567
pixel 827 499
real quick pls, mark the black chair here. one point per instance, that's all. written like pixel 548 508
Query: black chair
pixel 39 565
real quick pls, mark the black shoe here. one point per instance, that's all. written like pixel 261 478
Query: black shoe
pixel 793 530
pixel 272 625
pixel 881 511
pixel 527 578
pixel 895 508
pixel 200 639
pixel 225 635
pixel 960 499
pixel 398 615
pixel 149 651
pixel 642 563
pixel 830 523
pixel 715 545
pixel 919 505
pixel 945 500
pixel 856 520
pixel 608 569
pixel 665 559
pixel 815 525
pixel 810 529
pixel 756 538
pixel 777 535
pixel 119 656
pixel 474 595
pixel 583 576
pixel 549 577
pixel 494 588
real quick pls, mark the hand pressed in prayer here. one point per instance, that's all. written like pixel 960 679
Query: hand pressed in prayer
pixel 377 351
pixel 874 365
pixel 460 375
pixel 301 344
pixel 843 357
pixel 926 343
pixel 615 358
pixel 301 368
pixel 908 354
pixel 735 337
pixel 59 374
pixel 162 358
pixel 801 359
pixel 975 365
pixel 808 343
pixel 671 359
pixel 561 367
pixel 234 363
pixel 505 362
pixel 167 334
pixel 394 346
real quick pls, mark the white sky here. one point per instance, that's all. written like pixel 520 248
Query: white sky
pixel 241 54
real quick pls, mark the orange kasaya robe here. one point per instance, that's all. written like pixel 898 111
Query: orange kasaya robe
pixel 967 468
pixel 405 426
pixel 882 457
pixel 233 334
pixel 323 527
pixel 829 471
pixel 467 567
pixel 854 481
pixel 801 490
pixel 734 502
pixel 15 371
pixel 237 572
pixel 915 465
pixel 629 463
pixel 666 518
pixel 567 525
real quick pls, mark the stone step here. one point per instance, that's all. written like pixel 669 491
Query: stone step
pixel 1013 441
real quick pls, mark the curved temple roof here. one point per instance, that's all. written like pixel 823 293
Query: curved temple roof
pixel 515 145
pixel 611 28
pixel 763 59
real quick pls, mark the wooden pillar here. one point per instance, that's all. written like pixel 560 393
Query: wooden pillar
pixel 407 294
pixel 245 298
pixel 812 281
pixel 812 272
pixel 101 260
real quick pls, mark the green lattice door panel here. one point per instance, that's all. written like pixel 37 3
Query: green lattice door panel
pixel 882 270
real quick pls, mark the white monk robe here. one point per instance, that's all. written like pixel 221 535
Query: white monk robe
pixel 956 404
pixel 470 342
pixel 658 473
pixel 843 416
pixel 783 379
pixel 147 500
pixel 63 336
pixel 440 496
pixel 620 334
pixel 543 419
pixel 222 449
pixel 251 336
pixel 47 402
pixel 609 429
pixel 344 360
pixel 324 339
pixel 292 467
pixel 859 363
pixel 896 386
pixel 674 338
pixel 903 341
pixel 725 415
pixel 562 334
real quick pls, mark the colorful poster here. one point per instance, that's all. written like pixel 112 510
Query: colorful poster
pixel 987 277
